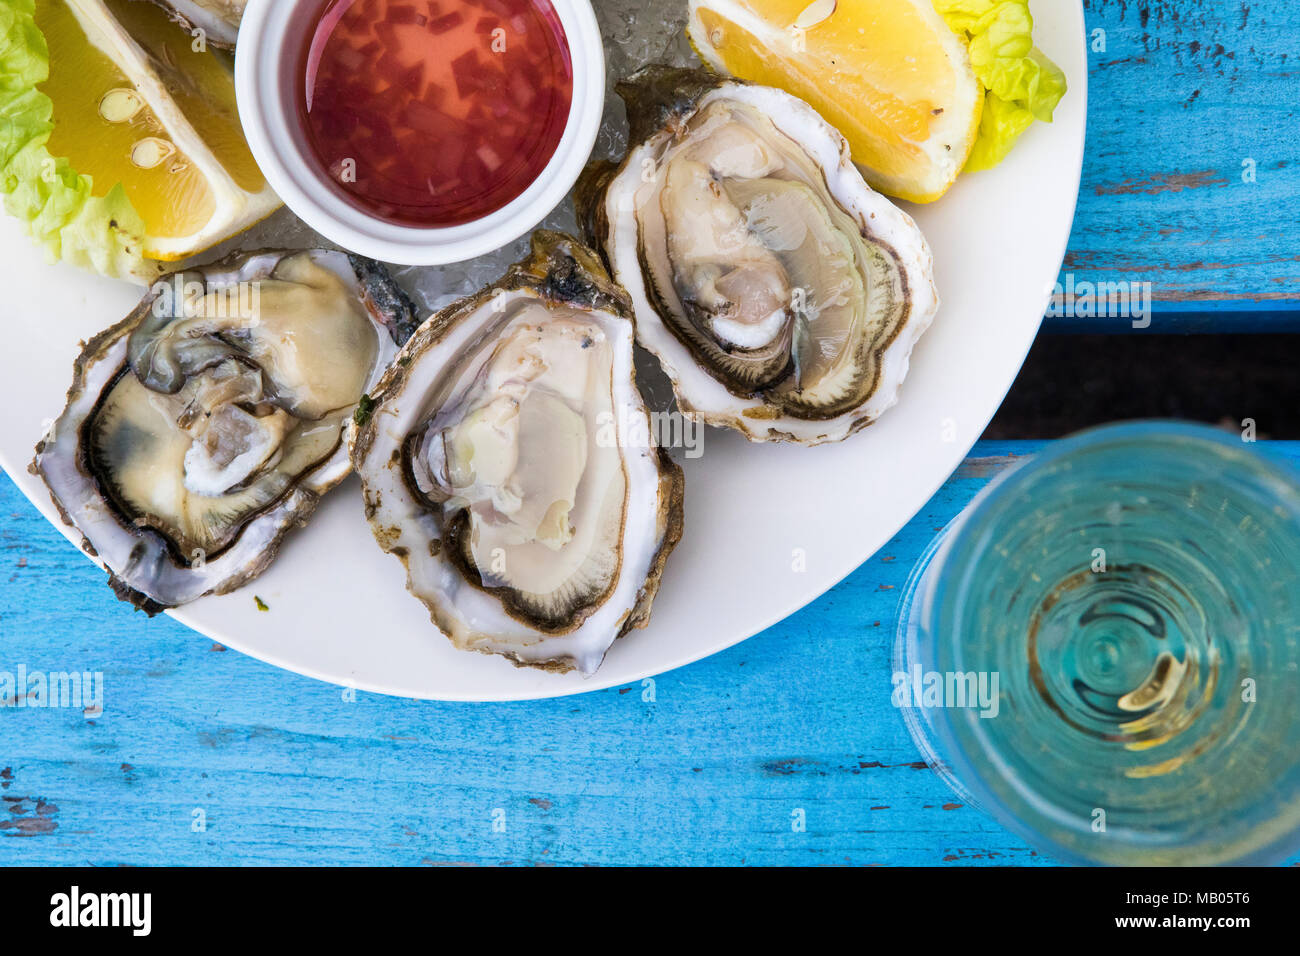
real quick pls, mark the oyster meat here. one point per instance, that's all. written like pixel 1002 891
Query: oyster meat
pixel 781 295
pixel 218 19
pixel 508 462
pixel 209 422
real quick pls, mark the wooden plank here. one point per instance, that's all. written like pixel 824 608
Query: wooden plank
pixel 282 769
pixel 1191 179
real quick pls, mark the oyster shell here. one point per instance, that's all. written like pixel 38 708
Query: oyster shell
pixel 509 464
pixel 780 294
pixel 208 423
pixel 218 19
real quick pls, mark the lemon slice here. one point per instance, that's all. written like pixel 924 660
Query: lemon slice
pixel 139 101
pixel 889 74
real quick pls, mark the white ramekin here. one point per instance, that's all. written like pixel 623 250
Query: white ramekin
pixel 266 87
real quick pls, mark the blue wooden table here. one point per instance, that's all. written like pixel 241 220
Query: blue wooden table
pixel 204 756
pixel 1192 174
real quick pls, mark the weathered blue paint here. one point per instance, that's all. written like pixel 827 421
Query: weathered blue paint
pixel 284 770
pixel 1187 102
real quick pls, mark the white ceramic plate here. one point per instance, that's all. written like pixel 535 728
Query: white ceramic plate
pixel 338 608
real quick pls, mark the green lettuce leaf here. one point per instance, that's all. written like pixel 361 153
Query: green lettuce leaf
pixel 44 192
pixel 1022 85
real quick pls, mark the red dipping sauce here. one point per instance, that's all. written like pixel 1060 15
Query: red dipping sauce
pixel 434 112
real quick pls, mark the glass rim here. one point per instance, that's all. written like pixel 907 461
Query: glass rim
pixel 951 571
pixel 978 514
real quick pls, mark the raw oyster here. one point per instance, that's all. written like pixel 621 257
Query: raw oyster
pixel 781 294
pixel 218 19
pixel 508 462
pixel 208 423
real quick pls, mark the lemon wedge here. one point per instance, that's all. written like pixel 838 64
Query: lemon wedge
pixel 889 74
pixel 141 103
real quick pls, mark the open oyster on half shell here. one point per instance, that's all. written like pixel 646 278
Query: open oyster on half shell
pixel 218 19
pixel 209 422
pixel 780 294
pixel 508 461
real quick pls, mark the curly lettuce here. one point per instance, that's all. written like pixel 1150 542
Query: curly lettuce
pixel 56 204
pixel 1022 85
